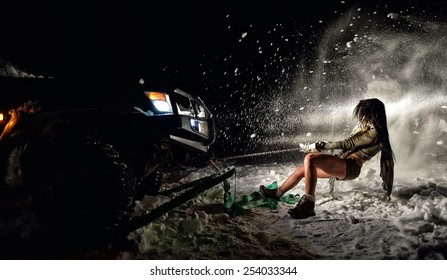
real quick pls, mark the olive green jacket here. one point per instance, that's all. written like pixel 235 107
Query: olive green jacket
pixel 363 143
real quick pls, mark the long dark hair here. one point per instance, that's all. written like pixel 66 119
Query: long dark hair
pixel 373 111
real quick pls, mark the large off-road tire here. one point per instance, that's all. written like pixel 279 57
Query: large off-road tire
pixel 151 184
pixel 82 189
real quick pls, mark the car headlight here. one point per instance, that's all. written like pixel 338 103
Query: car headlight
pixel 160 101
pixel 199 126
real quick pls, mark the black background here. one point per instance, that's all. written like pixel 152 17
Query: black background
pixel 123 40
pixel 173 39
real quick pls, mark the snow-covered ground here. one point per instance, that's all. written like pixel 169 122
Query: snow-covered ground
pixel 355 223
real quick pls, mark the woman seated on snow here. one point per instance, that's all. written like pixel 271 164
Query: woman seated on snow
pixel 367 139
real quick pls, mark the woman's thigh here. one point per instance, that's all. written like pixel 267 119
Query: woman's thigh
pixel 328 166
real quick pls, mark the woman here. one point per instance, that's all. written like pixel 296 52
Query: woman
pixel 367 139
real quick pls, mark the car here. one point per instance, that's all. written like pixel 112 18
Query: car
pixel 81 152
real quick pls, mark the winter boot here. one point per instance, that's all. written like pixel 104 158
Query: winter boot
pixel 269 193
pixel 303 209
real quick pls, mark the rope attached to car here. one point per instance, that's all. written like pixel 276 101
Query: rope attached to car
pixel 259 154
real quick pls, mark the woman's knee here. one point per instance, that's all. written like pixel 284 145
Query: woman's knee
pixel 298 169
pixel 310 158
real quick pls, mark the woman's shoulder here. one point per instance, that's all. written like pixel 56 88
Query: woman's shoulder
pixel 361 129
pixel 372 132
pixel 369 131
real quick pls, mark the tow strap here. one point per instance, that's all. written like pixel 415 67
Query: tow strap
pixel 190 190
pixel 253 200
pixel 248 201
pixel 186 192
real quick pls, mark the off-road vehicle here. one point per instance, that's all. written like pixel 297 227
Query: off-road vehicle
pixel 81 152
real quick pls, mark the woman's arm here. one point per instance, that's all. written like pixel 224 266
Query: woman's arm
pixel 363 139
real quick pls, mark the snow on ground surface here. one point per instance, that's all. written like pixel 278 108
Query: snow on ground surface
pixel 355 223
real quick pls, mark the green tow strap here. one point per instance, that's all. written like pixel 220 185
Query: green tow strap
pixel 188 191
pixel 253 200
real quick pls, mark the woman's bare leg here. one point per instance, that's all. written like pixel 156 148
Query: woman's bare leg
pixel 322 166
pixel 316 166
pixel 292 180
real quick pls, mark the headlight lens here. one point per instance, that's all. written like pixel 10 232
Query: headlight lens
pixel 199 126
pixel 160 100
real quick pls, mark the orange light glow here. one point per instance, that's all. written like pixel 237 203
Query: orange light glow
pixel 154 95
pixel 1 117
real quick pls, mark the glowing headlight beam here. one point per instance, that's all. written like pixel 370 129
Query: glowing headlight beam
pixel 160 100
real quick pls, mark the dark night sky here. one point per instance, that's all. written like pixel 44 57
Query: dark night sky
pixel 168 40
pixel 119 40
pixel 125 40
